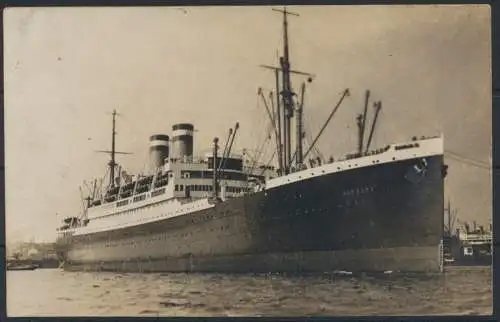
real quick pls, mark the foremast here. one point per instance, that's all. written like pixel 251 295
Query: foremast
pixel 286 91
pixel 286 107
pixel 288 162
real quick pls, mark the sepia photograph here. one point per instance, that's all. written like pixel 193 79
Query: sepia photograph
pixel 248 160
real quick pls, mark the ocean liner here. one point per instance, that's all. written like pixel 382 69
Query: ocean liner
pixel 373 210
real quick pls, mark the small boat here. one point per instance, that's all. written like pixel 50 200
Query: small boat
pixel 30 267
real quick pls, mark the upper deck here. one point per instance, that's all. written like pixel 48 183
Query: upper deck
pixel 184 178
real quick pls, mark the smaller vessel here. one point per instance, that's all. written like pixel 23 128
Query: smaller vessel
pixel 29 267
pixel 466 246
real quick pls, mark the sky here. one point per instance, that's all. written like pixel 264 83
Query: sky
pixel 66 69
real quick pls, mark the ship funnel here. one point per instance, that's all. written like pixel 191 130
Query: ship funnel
pixel 182 141
pixel 158 150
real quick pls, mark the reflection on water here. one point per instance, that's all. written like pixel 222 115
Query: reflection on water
pixel 46 292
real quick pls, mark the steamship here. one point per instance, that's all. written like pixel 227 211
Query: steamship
pixel 373 210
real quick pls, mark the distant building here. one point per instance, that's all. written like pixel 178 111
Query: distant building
pixel 36 251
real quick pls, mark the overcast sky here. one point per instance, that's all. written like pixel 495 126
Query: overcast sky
pixel 67 68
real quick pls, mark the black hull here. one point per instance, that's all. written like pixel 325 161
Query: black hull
pixel 376 218
pixel 406 259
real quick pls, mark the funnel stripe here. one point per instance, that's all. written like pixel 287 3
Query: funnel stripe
pixel 158 143
pixel 162 137
pixel 183 132
pixel 183 126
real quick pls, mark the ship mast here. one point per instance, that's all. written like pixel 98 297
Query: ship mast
pixel 214 179
pixel 298 130
pixel 278 117
pixel 286 92
pixel 112 162
pixel 285 110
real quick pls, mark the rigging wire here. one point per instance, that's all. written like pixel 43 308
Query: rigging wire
pixel 257 126
pixel 465 160
pixel 266 140
pixel 101 188
pixel 268 163
pixel 268 137
pixel 308 138
pixel 144 166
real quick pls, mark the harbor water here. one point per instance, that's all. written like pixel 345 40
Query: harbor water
pixel 53 292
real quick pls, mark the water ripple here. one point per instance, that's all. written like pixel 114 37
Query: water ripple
pixel 43 292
